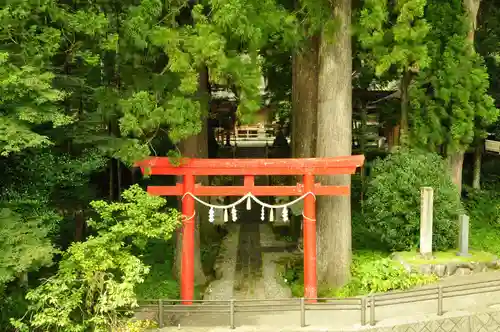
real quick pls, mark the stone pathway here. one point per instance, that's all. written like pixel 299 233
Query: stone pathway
pixel 249 259
pixel 225 267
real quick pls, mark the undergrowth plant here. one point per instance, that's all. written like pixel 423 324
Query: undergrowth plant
pixel 376 273
pixel 96 279
pixel 372 272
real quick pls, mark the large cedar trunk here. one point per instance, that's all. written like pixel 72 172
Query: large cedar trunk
pixel 405 105
pixel 456 160
pixel 335 139
pixel 305 101
pixel 196 147
pixel 472 6
pixel 478 154
pixel 456 163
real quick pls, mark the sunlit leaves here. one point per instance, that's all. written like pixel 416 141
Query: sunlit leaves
pixel 450 103
pixel 398 42
pixel 24 244
pixel 97 277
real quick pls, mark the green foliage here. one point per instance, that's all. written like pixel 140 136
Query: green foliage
pixel 483 206
pixel 160 282
pixel 136 326
pixel 24 244
pixel 450 101
pixel 393 36
pixel 372 272
pixel 393 200
pixel 96 278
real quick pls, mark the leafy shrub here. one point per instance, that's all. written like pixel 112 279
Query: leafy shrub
pixel 96 280
pixel 371 272
pixel 160 282
pixel 483 206
pixel 393 200
pixel 484 210
pixel 135 326
pixel 375 273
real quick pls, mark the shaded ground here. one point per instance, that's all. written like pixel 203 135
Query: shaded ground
pixel 249 258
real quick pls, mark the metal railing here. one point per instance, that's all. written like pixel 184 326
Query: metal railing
pixel 366 305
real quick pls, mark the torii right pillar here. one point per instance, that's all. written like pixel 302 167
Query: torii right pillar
pixel 309 234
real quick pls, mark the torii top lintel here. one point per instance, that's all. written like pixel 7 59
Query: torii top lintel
pixel 292 166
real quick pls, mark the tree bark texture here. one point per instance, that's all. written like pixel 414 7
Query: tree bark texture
pixel 472 7
pixel 405 105
pixel 335 139
pixel 197 147
pixel 476 176
pixel 305 101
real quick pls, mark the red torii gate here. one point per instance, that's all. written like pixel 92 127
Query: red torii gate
pixel 249 168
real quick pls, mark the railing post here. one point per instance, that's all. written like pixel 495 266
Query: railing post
pixel 302 312
pixel 363 311
pixel 231 314
pixel 160 313
pixel 440 300
pixel 372 310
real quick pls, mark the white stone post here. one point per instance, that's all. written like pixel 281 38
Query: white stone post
pixel 463 236
pixel 426 207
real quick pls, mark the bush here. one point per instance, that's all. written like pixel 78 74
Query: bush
pixel 94 286
pixel 483 206
pixel 393 200
pixel 372 272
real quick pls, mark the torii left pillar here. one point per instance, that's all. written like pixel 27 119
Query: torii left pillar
pixel 188 231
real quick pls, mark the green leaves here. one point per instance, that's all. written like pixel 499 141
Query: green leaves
pixel 25 245
pixel 450 101
pixel 97 277
pixel 398 42
pixel 394 200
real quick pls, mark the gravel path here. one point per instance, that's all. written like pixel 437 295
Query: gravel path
pixel 225 267
pixel 273 289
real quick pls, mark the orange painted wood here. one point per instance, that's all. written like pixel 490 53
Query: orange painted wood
pixel 292 166
pixel 249 171
pixel 297 190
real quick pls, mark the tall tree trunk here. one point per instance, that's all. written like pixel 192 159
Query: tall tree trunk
pixel 192 147
pixel 335 139
pixel 478 154
pixel 362 147
pixel 111 179
pixel 456 163
pixel 197 147
pixel 79 225
pixel 305 101
pixel 405 105
pixel 456 159
pixel 472 7
pixel 304 109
